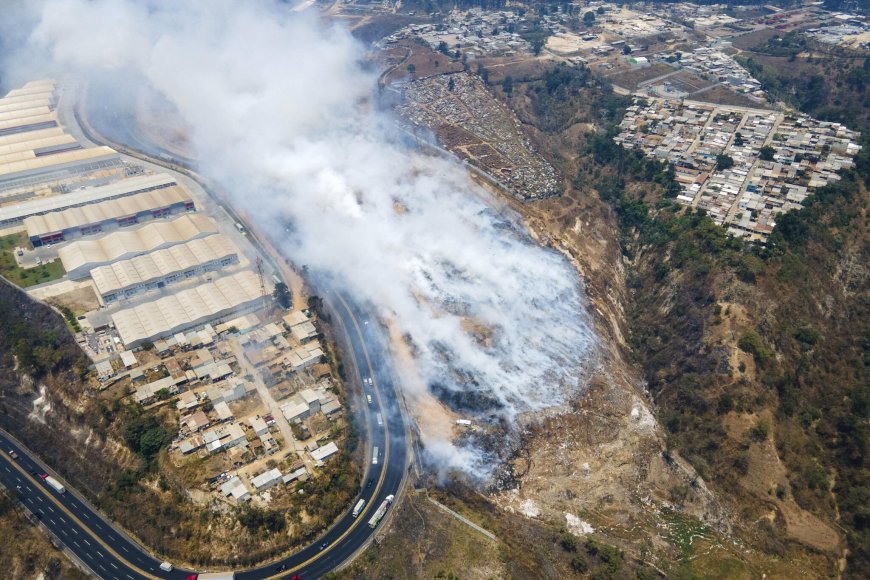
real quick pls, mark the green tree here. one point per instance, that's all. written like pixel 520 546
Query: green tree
pixel 738 140
pixel 626 49
pixel 766 153
pixel 589 18
pixel 508 85
pixel 412 69
pixel 724 161
pixel 282 296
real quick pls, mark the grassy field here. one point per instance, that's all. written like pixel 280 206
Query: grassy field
pixel 10 270
pixel 425 542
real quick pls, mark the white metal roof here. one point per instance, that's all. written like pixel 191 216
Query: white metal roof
pixel 80 256
pixel 85 196
pixel 187 308
pixel 96 213
pixel 161 263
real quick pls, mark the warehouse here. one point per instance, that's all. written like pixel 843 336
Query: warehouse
pixel 81 256
pixel 227 296
pixel 91 195
pixel 126 278
pixel 59 226
pixel 35 151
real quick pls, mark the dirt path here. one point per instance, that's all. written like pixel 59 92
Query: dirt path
pixel 269 401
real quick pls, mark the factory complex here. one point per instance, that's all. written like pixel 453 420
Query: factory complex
pixel 134 255
pixel 168 296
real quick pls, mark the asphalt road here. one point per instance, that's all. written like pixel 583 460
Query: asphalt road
pixel 112 554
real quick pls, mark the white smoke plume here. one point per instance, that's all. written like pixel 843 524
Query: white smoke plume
pixel 281 112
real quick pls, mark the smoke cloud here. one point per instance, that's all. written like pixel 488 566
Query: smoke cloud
pixel 281 112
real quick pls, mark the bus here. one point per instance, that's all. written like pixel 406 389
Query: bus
pixel 379 513
pixel 358 507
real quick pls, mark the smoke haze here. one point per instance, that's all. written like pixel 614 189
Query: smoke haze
pixel 280 108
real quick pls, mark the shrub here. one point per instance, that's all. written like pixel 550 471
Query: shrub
pixel 752 343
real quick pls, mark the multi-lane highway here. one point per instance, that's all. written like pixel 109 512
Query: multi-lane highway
pixel 110 553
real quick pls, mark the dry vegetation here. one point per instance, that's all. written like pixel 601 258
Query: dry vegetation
pixel 27 551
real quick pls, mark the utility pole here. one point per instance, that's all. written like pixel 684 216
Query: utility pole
pixel 262 283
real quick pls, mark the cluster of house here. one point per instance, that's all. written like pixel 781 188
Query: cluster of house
pixel 498 147
pixel 773 159
pixel 236 489
pixel 271 348
pixel 847 30
pixel 308 402
pixel 472 31
pixel 712 64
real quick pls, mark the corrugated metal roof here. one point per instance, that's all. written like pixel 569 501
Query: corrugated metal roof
pixel 77 217
pixel 128 186
pixel 187 308
pixel 81 256
pixel 161 263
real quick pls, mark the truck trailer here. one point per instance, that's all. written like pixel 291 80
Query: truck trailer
pixel 55 484
pixel 380 512
pixel 216 576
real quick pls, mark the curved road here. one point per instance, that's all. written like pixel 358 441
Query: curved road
pixel 110 553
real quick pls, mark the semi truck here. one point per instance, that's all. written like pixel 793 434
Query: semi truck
pixel 358 507
pixel 213 576
pixel 54 484
pixel 379 513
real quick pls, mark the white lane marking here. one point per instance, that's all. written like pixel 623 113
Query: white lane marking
pixel 39 497
pixel 52 522
pixel 61 519
pixel 49 509
pixel 86 542
pixel 30 500
pixel 100 554
pixel 75 531
pixel 7 469
pixel 64 533
pixel 125 549
pixel 112 564
pixel 96 525
pixel 84 515
pixel 130 577
pixel 76 544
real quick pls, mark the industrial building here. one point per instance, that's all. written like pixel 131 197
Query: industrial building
pixel 189 308
pixel 18 213
pixel 127 278
pixel 81 256
pixel 59 226
pixel 36 155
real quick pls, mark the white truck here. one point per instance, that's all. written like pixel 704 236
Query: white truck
pixel 55 484
pixel 216 576
pixel 379 513
pixel 358 507
pixel 166 567
pixel 375 456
